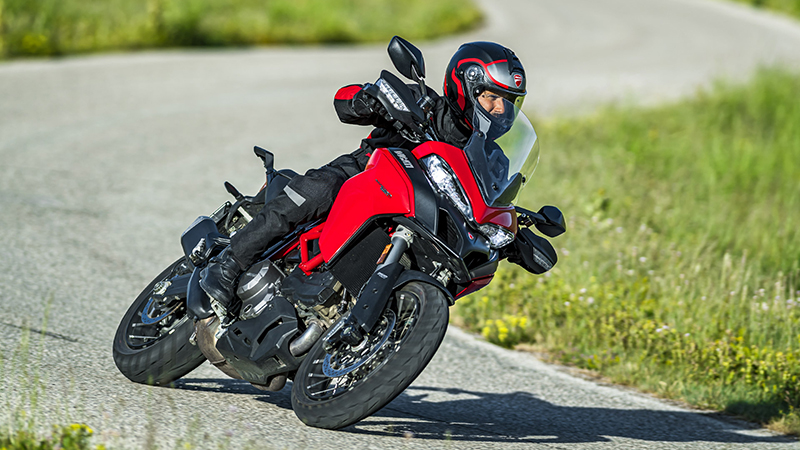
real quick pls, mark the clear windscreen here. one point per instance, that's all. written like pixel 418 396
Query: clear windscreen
pixel 503 151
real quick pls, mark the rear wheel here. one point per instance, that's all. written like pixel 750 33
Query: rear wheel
pixel 333 390
pixel 152 341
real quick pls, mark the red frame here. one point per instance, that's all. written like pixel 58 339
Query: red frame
pixel 307 264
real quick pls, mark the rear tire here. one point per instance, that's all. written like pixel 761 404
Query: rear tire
pixel 387 371
pixel 164 354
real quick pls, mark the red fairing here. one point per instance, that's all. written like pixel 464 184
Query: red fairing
pixel 382 189
pixel 506 217
pixel 476 284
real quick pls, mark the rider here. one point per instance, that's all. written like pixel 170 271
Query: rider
pixel 482 72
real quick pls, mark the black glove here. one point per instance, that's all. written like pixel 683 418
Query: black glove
pixel 365 105
pixel 531 252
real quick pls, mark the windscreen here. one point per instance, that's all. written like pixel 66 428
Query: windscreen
pixel 503 151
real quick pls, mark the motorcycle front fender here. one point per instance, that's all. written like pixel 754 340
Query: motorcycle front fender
pixel 414 275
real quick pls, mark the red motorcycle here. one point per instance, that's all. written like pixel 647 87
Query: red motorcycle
pixel 352 307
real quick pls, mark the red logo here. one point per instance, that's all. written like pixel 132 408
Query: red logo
pixel 518 79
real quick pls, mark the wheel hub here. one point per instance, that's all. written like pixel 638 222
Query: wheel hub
pixel 346 359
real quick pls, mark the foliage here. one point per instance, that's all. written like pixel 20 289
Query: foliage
pixel 791 7
pixel 58 27
pixel 679 272
pixel 72 437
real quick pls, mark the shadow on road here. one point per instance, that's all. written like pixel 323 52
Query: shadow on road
pixel 521 417
pixel 462 415
pixel 281 399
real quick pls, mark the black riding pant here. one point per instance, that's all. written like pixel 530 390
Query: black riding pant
pixel 305 198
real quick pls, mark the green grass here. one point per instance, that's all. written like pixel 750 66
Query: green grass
pixel 791 7
pixel 27 409
pixel 72 437
pixel 59 27
pixel 680 271
pixel 20 369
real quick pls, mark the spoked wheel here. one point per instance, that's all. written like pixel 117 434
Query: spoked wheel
pixel 152 341
pixel 336 389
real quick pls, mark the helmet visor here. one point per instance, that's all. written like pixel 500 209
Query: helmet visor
pixel 503 151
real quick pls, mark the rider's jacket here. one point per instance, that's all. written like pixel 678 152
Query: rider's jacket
pixel 445 123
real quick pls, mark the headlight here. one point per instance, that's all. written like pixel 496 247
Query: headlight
pixel 442 177
pixel 497 235
pixel 391 95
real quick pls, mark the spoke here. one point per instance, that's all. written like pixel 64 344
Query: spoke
pixel 132 336
pixel 326 390
pixel 318 383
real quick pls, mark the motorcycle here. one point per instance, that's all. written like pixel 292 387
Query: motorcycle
pixel 351 307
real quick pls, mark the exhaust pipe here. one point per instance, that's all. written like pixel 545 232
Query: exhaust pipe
pixel 206 330
pixel 306 340
pixel 276 383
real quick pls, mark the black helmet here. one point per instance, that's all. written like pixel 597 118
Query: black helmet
pixel 480 66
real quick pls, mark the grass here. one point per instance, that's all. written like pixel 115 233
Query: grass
pixel 27 408
pixel 680 272
pixel 21 368
pixel 60 27
pixel 791 7
pixel 72 437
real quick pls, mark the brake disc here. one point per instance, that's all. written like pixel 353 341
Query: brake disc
pixel 335 365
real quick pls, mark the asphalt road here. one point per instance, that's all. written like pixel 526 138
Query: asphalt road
pixel 104 160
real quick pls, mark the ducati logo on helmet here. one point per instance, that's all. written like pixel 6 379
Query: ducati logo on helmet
pixel 518 79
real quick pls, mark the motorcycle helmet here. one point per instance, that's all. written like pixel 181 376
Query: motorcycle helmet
pixel 480 66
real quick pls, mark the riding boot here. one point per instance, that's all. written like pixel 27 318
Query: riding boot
pixel 218 279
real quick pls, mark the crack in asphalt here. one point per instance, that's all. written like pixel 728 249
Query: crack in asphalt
pixel 41 332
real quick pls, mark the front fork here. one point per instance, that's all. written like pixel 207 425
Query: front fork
pixel 376 293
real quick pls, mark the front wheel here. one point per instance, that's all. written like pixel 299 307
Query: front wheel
pixel 152 341
pixel 336 389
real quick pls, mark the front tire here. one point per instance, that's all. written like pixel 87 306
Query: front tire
pixel 152 347
pixel 336 390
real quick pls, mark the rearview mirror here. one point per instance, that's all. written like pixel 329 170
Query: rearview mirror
pixel 555 225
pixel 407 59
